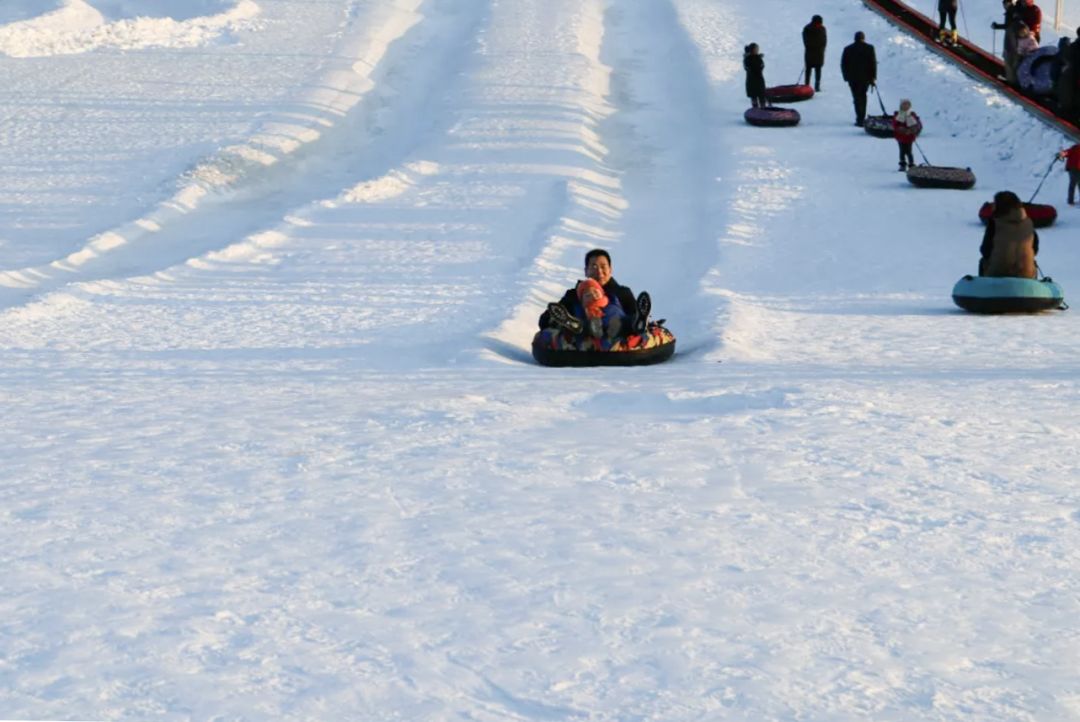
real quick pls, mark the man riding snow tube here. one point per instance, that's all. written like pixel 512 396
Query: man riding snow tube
pixel 600 323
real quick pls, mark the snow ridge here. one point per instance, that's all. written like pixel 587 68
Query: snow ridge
pixel 81 26
pixel 265 163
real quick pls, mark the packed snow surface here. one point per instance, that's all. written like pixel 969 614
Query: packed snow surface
pixel 275 447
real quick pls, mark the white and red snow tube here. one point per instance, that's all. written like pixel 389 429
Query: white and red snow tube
pixel 936 176
pixel 789 93
pixel 772 117
pixel 1041 215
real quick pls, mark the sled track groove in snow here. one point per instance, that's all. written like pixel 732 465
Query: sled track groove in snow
pixel 396 72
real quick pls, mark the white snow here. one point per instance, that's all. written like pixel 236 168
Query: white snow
pixel 275 448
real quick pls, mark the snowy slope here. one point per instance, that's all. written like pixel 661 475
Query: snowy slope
pixel 276 447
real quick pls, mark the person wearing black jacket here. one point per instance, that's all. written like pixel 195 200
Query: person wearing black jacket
pixel 568 310
pixel 1074 65
pixel 814 39
pixel 1012 11
pixel 754 64
pixel 1011 26
pixel 858 65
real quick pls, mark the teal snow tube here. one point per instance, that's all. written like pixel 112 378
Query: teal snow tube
pixel 991 294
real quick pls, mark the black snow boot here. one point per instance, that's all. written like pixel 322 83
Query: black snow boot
pixel 561 318
pixel 644 308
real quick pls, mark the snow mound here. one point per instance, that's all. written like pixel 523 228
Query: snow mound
pixel 66 27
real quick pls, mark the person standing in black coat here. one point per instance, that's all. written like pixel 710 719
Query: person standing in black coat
pixel 1011 26
pixel 754 65
pixel 1074 68
pixel 858 65
pixel 814 40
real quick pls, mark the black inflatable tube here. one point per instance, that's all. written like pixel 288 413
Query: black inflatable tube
pixel 879 126
pixel 646 357
pixel 1006 305
pixel 772 117
pixel 924 176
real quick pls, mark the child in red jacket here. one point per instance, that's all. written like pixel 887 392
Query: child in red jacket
pixel 1072 165
pixel 906 128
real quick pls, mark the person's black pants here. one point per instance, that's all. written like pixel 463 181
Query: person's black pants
pixel 817 76
pixel 950 15
pixel 1074 183
pixel 905 153
pixel 858 97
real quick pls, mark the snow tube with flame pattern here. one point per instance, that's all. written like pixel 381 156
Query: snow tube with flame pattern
pixel 553 347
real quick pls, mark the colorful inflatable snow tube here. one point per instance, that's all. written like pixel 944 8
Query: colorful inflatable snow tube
pixel 772 117
pixel 1041 215
pixel 990 294
pixel 936 176
pixel 789 93
pixel 553 347
pixel 1033 72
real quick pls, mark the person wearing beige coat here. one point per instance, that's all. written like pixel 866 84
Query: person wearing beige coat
pixel 1010 242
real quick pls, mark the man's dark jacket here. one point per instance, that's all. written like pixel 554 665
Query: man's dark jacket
pixel 1012 14
pixel 858 64
pixel 815 38
pixel 622 294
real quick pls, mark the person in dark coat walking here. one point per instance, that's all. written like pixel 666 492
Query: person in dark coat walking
pixel 814 40
pixel 858 65
pixel 947 11
pixel 753 63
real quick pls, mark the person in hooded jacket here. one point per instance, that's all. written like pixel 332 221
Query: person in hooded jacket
pixel 754 65
pixel 814 38
pixel 906 127
pixel 1010 242
pixel 1025 43
pixel 1031 14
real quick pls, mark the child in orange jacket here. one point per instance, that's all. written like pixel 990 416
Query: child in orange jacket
pixel 603 319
